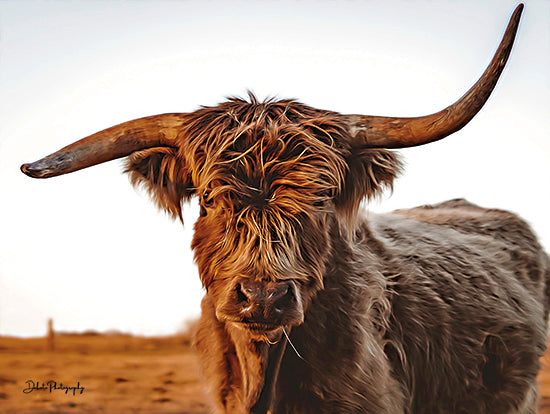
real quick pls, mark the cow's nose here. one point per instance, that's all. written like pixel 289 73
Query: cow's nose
pixel 265 297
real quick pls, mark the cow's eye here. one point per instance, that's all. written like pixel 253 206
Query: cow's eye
pixel 206 201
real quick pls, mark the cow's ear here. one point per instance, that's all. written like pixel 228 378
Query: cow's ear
pixel 370 172
pixel 163 173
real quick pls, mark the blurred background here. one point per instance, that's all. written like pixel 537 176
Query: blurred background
pixel 89 251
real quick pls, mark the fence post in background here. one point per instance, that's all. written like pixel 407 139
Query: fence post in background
pixel 50 336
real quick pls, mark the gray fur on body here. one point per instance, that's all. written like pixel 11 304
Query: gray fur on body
pixel 437 309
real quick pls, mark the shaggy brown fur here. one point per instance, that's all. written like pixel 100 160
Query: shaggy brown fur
pixel 439 309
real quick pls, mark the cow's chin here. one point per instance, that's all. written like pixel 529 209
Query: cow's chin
pixel 261 332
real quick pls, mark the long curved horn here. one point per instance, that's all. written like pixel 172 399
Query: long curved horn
pixel 388 132
pixel 115 142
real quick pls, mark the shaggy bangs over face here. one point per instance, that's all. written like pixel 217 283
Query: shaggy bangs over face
pixel 254 150
pixel 267 172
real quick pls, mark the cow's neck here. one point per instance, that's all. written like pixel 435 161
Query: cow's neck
pixel 259 361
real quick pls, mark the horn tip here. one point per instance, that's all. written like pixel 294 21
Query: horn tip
pixel 25 169
pixel 32 170
pixel 519 9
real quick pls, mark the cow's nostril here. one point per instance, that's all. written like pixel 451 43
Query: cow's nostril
pixel 241 295
pixel 280 293
pixel 282 298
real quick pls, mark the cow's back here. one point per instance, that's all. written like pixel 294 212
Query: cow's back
pixel 469 299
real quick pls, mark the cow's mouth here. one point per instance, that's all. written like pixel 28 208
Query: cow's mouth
pixel 270 333
pixel 260 327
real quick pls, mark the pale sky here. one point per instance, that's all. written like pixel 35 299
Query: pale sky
pixel 90 252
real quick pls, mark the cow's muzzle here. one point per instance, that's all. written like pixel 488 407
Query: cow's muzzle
pixel 262 306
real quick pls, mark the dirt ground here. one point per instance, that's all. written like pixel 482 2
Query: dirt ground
pixel 115 374
pixel 120 374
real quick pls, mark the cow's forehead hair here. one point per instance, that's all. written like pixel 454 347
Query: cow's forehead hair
pixel 261 147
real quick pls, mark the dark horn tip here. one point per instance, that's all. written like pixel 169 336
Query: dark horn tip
pixel 25 169
pixel 31 171
pixel 519 8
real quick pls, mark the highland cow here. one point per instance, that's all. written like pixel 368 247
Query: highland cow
pixel 310 306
